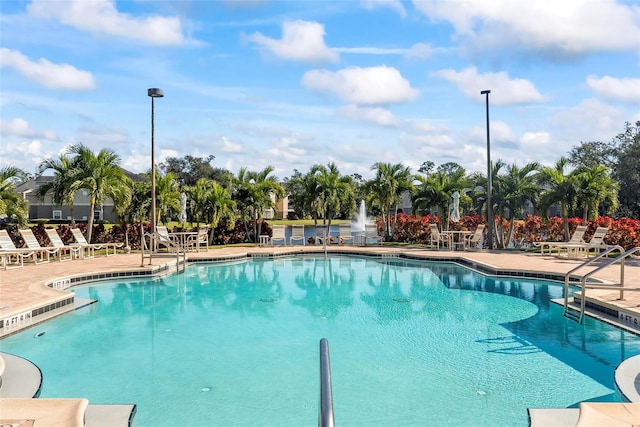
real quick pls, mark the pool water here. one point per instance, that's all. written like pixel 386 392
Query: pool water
pixel 412 344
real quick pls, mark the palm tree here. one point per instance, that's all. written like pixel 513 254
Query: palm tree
pixel 596 186
pixel 220 206
pixel 333 192
pixel 511 191
pixel 65 173
pixel 387 187
pixel 11 204
pixel 558 187
pixel 198 199
pixel 253 194
pixel 101 176
pixel 435 190
pixel 167 195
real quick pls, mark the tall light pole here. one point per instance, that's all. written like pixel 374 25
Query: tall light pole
pixel 489 204
pixel 153 93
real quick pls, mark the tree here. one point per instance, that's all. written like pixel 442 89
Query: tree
pixel 333 192
pixel 65 173
pixel 627 170
pixel 12 205
pixel 558 187
pixel 435 191
pixel 595 187
pixel 387 187
pixel 593 153
pixel 167 195
pixel 220 206
pixel 101 176
pixel 189 169
pixel 512 190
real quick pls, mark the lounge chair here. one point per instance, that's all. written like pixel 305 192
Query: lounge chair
pixel 91 247
pixel 596 243
pixel 44 253
pixel 163 238
pixel 277 234
pixel 438 239
pixel 576 238
pixel 297 233
pixel 371 234
pixel 73 251
pixel 474 239
pixel 11 256
pixel 322 233
pixel 344 234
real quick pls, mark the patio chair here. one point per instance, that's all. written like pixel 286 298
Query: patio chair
pixel 476 238
pixel 43 253
pixel 72 251
pixel 322 234
pixel 576 238
pixel 297 233
pixel 596 243
pixel 11 256
pixel 195 242
pixel 344 234
pixel 91 247
pixel 371 234
pixel 437 238
pixel 163 238
pixel 277 234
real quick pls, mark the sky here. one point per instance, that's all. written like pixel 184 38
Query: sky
pixel 290 84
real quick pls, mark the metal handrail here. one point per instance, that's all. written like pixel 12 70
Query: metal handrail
pixel 325 415
pixel 153 237
pixel 583 282
pixel 567 276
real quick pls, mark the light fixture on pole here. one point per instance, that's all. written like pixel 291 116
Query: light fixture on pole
pixel 490 223
pixel 153 93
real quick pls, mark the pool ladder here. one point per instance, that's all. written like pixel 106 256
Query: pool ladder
pixel 583 283
pixel 154 242
pixel 325 413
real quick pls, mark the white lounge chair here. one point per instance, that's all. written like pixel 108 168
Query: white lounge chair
pixel 46 252
pixel 438 239
pixel 322 233
pixel 576 238
pixel 11 256
pixel 596 243
pixel 344 234
pixel 277 234
pixel 297 233
pixel 91 247
pixel 371 234
pixel 73 251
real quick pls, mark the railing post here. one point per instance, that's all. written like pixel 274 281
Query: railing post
pixel 325 416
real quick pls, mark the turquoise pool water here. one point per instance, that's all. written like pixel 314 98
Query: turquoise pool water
pixel 412 344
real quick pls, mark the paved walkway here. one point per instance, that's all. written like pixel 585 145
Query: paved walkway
pixel 24 289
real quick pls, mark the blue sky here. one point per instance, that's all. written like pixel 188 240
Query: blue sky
pixel 289 84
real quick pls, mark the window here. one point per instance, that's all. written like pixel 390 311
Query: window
pixel 56 214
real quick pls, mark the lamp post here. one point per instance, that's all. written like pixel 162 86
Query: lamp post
pixel 153 93
pixel 489 204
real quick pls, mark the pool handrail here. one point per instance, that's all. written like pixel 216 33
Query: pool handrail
pixel 325 415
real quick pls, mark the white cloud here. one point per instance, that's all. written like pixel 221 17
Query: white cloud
pixel 504 90
pixel 590 120
pixel 617 89
pixel 20 127
pixel 373 85
pixel 102 17
pixel 377 115
pixel 499 132
pixel 286 150
pixel 46 73
pixel 301 41
pixel 391 4
pixel 570 26
pixel 420 51
pixel 229 146
pixel 534 139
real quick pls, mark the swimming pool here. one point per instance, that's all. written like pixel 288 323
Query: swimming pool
pixel 412 344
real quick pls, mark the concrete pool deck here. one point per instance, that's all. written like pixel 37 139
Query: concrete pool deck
pixel 24 291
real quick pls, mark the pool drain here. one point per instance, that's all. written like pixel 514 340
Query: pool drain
pixel 205 389
pixel 39 334
pixel 268 299
pixel 401 300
